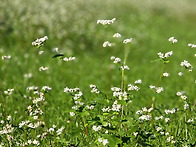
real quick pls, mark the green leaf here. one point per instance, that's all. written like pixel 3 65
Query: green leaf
pixel 58 55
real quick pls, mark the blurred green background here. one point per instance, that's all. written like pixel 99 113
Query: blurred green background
pixel 71 26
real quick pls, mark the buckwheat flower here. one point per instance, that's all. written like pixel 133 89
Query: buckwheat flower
pixel 117 60
pixel 105 22
pixel 160 117
pixel 161 55
pixel 96 128
pixel 139 112
pixel 116 89
pixel 166 74
pixel 133 87
pixel 94 89
pixel 184 97
pixel 173 40
pixel 139 81
pixel 167 120
pixel 135 134
pixel 186 106
pixel 41 52
pixel 186 64
pixel 190 120
pixel 40 42
pixel 159 89
pixel 9 91
pixel 36 142
pixel 152 87
pixel 43 68
pixel 32 88
pixel 56 49
pixel 105 142
pixel 150 109
pixel 29 141
pixel 167 133
pixel 46 88
pixel 9 117
pixel 127 40
pixel 180 74
pixel 145 117
pixel 35 117
pixel 6 57
pixel 2 121
pixel 116 35
pixel 69 59
pixel 72 114
pixel 168 54
pixel 28 76
pixel 112 58
pixel 75 107
pixel 162 133
pixel 170 138
pixel 158 128
pixel 125 67
pixel 144 109
pixel 107 43
pixel 51 130
pixel 59 131
pixel 192 45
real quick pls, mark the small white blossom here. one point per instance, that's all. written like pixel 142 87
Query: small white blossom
pixel 41 52
pixel 192 45
pixel 159 89
pixel 96 128
pixel 167 120
pixel 186 64
pixel 127 40
pixel 173 40
pixel 43 68
pixel 107 43
pixel 166 55
pixel 6 57
pixel 180 74
pixel 116 35
pixel 139 81
pixel 166 74
pixel 125 67
pixel 186 106
pixel 72 114
pixel 190 120
pixel 105 22
pixel 66 59
pixel 9 117
pixel 46 88
pixel 40 42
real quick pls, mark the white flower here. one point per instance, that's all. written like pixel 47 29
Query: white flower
pixel 28 76
pixel 166 55
pixel 167 120
pixel 125 67
pixel 173 40
pixel 105 22
pixel 46 88
pixel 59 131
pixel 69 59
pixel 180 74
pixel 186 64
pixel 116 35
pixel 190 120
pixel 166 74
pixel 192 45
pixel 41 52
pixel 71 114
pixel 6 57
pixel 40 42
pixel 105 142
pixel 159 89
pixel 186 106
pixel 139 81
pixel 96 128
pixel 9 117
pixel 145 117
pixel 43 68
pixel 127 40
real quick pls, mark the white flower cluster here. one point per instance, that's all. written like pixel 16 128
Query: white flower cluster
pixel 69 59
pixel 46 88
pixel 172 40
pixel 158 89
pixel 107 43
pixel 127 40
pixel 40 42
pixel 72 114
pixel 32 88
pixel 144 110
pixel 96 128
pixel 69 90
pixel 35 142
pixel 90 107
pixel 103 141
pixel 182 95
pixel 105 22
pixel 139 81
pixel 115 59
pixel 6 57
pixel 174 110
pixel 118 93
pixel 124 67
pixel 41 52
pixel 158 118
pixel 166 55
pixel 171 139
pixel 115 107
pixel 187 65
pixel 41 98
pixel 7 129
pixel 94 88
pixel 192 45
pixel 190 120
pixel 180 74
pixel 35 125
pixel 145 117
pixel 133 87
pixel 186 106
pixel 43 68
pixel 28 76
pixel 9 91
pixel 165 74
pixel 59 131
pixel 117 35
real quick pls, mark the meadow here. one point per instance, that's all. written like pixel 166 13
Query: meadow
pixel 97 73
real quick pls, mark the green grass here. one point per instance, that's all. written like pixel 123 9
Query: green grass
pixel 71 26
